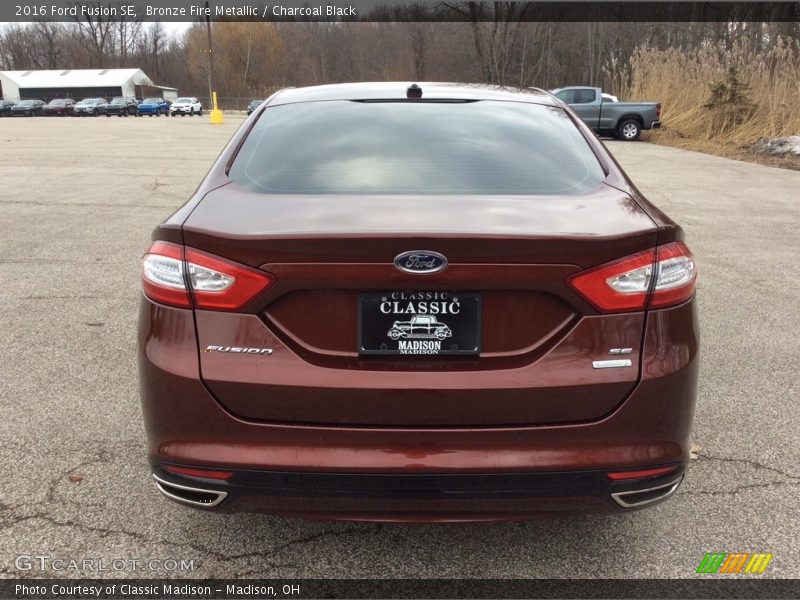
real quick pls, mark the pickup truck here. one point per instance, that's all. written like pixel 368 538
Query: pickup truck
pixel 623 120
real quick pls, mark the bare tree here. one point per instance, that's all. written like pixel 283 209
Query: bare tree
pixel 97 34
pixel 127 33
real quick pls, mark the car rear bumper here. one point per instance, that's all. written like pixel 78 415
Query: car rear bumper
pixel 473 473
pixel 417 497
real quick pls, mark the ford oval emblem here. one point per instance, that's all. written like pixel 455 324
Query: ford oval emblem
pixel 420 262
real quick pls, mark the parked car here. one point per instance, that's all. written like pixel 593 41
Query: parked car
pixel 154 106
pixel 270 298
pixel 27 108
pixel 59 107
pixel 623 120
pixel 5 107
pixel 186 106
pixel 90 107
pixel 122 107
pixel 253 106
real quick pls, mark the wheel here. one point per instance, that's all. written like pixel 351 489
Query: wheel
pixel 440 334
pixel 394 334
pixel 629 130
pixel 191 112
pixel 200 114
pixel 108 115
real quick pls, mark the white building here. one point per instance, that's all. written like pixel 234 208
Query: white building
pixel 80 83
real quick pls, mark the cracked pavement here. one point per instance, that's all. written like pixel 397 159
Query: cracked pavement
pixel 80 197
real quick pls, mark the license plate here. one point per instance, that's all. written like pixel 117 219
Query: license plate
pixel 419 323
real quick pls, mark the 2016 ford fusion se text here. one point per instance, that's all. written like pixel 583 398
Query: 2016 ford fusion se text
pixel 427 302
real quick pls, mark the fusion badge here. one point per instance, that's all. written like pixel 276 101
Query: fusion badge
pixel 238 350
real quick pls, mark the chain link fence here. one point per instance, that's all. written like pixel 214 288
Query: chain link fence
pixel 229 103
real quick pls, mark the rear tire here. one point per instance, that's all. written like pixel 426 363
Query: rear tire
pixel 200 114
pixel 629 130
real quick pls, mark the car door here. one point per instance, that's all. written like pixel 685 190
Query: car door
pixel 586 103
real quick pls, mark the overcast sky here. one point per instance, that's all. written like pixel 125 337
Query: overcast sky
pixel 171 28
pixel 175 28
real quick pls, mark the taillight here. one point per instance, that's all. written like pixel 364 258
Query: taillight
pixel 176 277
pixel 162 275
pixel 677 276
pixel 663 276
pixel 658 110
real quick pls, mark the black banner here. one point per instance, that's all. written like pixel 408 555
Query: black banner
pixel 752 587
pixel 399 11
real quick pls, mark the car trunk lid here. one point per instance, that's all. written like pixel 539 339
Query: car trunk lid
pixel 538 338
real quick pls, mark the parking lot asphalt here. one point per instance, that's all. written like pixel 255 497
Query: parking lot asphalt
pixel 78 199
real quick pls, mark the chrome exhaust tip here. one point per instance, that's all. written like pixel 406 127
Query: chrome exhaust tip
pixel 189 495
pixel 643 497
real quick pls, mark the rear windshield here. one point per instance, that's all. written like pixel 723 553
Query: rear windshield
pixel 348 147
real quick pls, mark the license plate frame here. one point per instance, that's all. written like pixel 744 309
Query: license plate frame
pixel 419 323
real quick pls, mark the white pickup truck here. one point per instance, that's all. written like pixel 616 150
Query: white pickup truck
pixel 601 112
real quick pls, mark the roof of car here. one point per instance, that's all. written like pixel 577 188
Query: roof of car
pixel 396 90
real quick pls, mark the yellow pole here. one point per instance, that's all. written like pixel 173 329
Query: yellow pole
pixel 216 113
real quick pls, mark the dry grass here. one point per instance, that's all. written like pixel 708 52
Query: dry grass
pixel 681 80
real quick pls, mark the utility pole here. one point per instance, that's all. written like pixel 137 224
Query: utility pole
pixel 216 113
